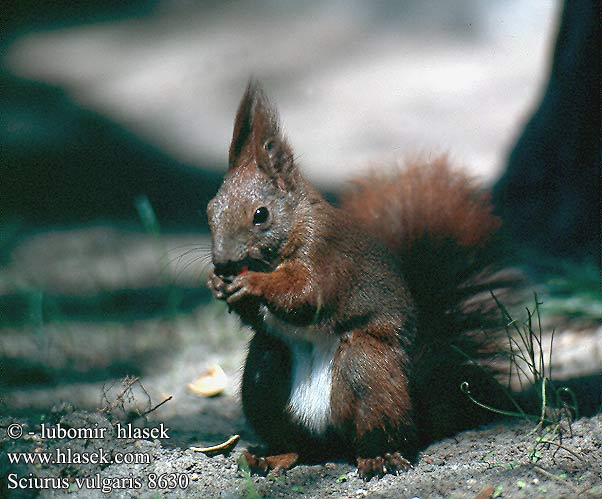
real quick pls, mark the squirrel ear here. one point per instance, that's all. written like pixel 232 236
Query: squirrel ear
pixel 257 127
pixel 271 150
pixel 242 124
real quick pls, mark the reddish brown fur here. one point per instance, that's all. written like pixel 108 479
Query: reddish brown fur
pixel 287 288
pixel 400 205
pixel 326 275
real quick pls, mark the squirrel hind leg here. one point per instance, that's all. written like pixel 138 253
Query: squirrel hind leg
pixel 371 401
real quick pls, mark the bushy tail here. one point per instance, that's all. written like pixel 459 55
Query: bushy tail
pixel 441 226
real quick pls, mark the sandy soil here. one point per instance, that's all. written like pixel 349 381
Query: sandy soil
pixel 492 459
pixel 66 347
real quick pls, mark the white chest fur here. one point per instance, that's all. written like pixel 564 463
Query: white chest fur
pixel 312 357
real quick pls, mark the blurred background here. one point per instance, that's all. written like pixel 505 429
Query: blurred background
pixel 115 125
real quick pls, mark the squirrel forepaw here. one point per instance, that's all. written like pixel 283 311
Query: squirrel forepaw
pixel 381 465
pixel 243 285
pixel 216 284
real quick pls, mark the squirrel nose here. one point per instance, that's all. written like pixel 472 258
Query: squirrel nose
pixel 221 255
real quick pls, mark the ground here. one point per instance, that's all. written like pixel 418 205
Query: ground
pixel 100 325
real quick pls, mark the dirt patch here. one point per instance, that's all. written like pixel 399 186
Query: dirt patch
pixel 64 357
pixel 495 459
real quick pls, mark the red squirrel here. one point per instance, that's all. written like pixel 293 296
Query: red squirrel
pixel 363 315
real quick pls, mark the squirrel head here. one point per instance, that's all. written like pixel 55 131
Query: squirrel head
pixel 254 211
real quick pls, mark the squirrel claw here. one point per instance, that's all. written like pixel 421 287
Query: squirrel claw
pixel 276 464
pixel 257 465
pixel 216 285
pixel 379 466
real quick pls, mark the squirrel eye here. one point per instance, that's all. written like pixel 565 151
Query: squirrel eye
pixel 261 216
pixel 269 146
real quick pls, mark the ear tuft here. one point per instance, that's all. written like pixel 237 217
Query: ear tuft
pixel 257 133
pixel 243 122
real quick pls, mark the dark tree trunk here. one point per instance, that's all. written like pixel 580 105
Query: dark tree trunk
pixel 549 196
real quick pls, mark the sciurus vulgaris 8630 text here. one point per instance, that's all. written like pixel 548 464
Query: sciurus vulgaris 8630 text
pixel 363 315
